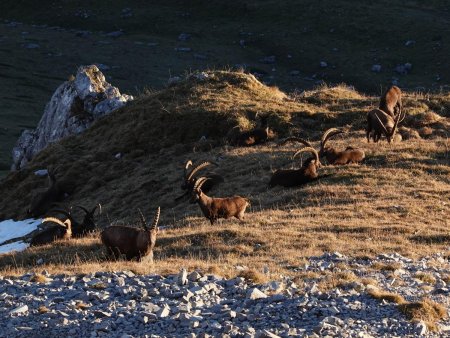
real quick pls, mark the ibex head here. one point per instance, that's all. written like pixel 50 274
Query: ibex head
pixel 154 226
pixel 390 134
pixel 326 136
pixel 316 159
pixel 197 189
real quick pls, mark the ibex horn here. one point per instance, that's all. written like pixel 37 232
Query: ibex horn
pixel 311 149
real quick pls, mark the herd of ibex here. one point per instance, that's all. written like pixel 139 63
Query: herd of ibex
pixel 138 243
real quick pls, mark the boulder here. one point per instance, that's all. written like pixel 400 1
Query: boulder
pixel 74 106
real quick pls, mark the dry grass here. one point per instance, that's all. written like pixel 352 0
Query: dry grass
pixel 425 310
pixel 425 277
pixel 39 278
pixel 394 202
pixel 43 309
pixel 391 267
pixel 253 276
pixel 387 296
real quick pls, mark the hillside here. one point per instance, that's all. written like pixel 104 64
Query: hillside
pixel 395 202
pixel 142 44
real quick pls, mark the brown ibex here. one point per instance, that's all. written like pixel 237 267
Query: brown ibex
pixel 88 223
pixel 378 123
pixel 252 137
pixel 214 208
pixel 132 242
pixel 333 156
pixel 42 202
pixel 294 177
pixel 189 178
pixel 391 102
pixel 62 230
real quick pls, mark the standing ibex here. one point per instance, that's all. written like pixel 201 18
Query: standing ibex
pixel 132 242
pixel 333 156
pixel 88 223
pixel 252 137
pixel 189 178
pixel 61 230
pixel 391 102
pixel 294 177
pixel 378 123
pixel 41 203
pixel 214 208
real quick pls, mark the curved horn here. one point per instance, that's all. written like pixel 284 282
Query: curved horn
pixel 156 219
pixel 57 221
pixel 186 167
pixel 311 149
pixel 197 168
pixel 144 223
pixel 99 206
pixel 327 135
pixel 397 120
pixel 294 138
pixel 381 123
pixel 199 182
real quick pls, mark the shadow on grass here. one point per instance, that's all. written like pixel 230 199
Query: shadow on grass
pixel 431 239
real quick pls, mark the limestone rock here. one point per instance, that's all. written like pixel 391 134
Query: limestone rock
pixel 74 106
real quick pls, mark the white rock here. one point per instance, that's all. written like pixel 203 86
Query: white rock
pixel 182 277
pixel 19 309
pixel 255 293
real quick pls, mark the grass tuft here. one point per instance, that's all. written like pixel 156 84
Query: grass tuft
pixel 253 276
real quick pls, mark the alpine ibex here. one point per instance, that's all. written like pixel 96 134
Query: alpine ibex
pixel 189 178
pixel 42 202
pixel 391 102
pixel 61 230
pixel 214 208
pixel 252 137
pixel 132 242
pixel 378 123
pixel 294 177
pixel 333 156
pixel 87 225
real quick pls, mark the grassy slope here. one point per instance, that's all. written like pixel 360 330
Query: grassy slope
pixel 395 202
pixel 349 37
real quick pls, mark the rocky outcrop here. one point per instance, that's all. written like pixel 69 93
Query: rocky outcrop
pixel 74 106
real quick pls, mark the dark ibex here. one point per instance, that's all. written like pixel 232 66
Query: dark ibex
pixel 189 178
pixel 87 225
pixel 294 177
pixel 43 201
pixel 252 137
pixel 378 123
pixel 333 156
pixel 391 102
pixel 214 208
pixel 132 242
pixel 61 230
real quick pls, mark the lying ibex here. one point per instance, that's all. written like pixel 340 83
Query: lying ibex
pixel 42 202
pixel 132 242
pixel 214 208
pixel 294 177
pixel 391 102
pixel 378 123
pixel 61 230
pixel 189 178
pixel 88 223
pixel 333 156
pixel 252 137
